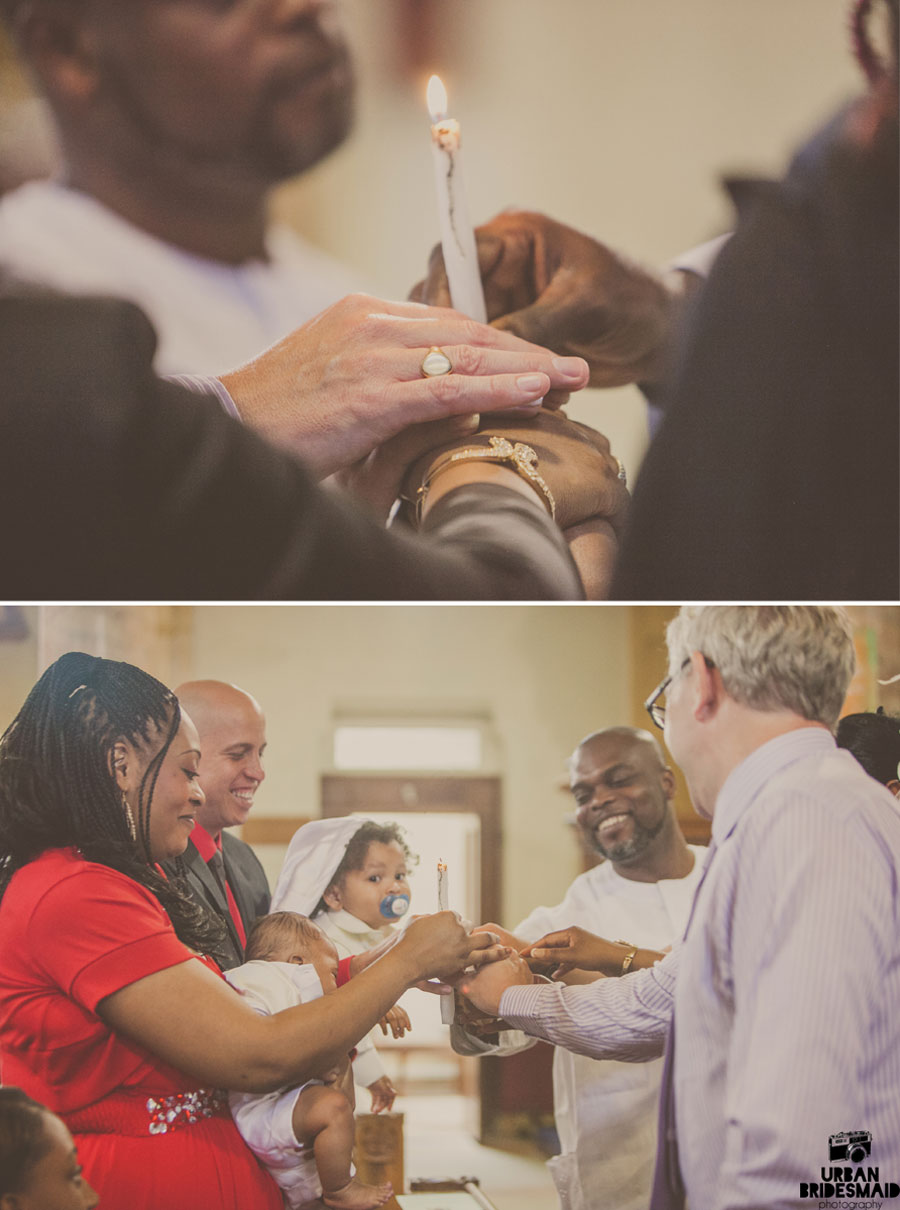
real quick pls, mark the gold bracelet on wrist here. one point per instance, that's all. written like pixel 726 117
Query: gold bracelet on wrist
pixel 629 957
pixel 521 458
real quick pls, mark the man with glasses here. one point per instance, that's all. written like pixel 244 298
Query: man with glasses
pixel 777 1012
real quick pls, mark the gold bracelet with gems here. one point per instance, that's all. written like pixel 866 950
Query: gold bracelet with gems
pixel 520 457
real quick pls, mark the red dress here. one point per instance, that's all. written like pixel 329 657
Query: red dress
pixel 72 933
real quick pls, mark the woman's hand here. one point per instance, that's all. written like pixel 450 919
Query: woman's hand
pixel 575 462
pixel 439 947
pixel 351 378
pixel 378 478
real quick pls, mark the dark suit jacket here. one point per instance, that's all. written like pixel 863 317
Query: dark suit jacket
pixel 774 474
pixel 117 485
pixel 248 883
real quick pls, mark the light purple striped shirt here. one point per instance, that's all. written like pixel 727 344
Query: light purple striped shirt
pixel 786 990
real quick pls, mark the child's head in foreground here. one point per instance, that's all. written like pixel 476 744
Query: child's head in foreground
pixel 290 937
pixel 372 880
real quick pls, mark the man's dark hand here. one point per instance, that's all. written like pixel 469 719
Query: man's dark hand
pixel 559 288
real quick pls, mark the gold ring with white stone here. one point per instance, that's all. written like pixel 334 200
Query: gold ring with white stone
pixel 621 473
pixel 435 363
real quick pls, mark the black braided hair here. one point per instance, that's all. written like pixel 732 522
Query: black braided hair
pixel 23 1138
pixel 58 790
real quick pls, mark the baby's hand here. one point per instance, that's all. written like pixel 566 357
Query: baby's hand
pixel 383 1094
pixel 396 1020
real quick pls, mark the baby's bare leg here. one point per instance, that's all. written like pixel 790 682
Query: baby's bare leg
pixel 323 1118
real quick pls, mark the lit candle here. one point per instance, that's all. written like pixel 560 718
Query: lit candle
pixel 457 234
pixel 443 887
pixel 448 1004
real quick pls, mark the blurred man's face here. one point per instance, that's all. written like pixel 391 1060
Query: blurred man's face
pixel 258 89
pixel 622 796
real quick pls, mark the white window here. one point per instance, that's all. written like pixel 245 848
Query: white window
pixel 378 746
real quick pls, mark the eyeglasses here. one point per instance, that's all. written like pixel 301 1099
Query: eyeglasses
pixel 658 713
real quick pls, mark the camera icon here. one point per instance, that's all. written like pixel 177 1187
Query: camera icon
pixel 853 1145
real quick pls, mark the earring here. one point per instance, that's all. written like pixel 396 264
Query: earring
pixel 126 807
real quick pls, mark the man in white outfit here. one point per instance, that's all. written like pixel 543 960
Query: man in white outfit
pixel 175 122
pixel 606 1112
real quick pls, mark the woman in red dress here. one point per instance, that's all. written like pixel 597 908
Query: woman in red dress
pixel 108 1014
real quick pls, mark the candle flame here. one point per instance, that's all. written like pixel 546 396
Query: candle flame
pixel 437 99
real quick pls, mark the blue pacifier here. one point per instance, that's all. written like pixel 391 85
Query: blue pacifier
pixel 393 906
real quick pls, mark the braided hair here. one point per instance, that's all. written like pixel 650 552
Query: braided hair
pixel 23 1140
pixel 58 790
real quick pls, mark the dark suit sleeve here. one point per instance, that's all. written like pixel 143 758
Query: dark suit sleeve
pixel 774 474
pixel 247 879
pixel 126 487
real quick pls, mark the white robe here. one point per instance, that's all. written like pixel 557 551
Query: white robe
pixel 209 316
pixel 351 936
pixel 264 1119
pixel 606 1112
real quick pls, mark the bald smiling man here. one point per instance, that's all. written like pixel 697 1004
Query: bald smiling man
pixel 624 795
pixel 223 872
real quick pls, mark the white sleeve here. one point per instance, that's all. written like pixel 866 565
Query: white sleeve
pixel 701 259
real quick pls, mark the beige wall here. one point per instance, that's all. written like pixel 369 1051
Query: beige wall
pixel 617 116
pixel 541 676
pixel 544 676
pixel 18 667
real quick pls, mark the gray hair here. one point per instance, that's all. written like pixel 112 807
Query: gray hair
pixel 772 657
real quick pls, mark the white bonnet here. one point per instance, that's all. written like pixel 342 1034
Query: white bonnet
pixel 315 852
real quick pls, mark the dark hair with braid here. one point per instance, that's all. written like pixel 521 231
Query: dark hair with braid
pixel 58 788
pixel 23 1139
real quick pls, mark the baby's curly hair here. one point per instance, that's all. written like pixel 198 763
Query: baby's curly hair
pixel 355 853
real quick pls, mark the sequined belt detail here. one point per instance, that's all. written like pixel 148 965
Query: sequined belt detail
pixel 185 1109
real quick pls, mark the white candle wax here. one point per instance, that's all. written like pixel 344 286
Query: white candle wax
pixel 443 887
pixel 457 233
pixel 448 1004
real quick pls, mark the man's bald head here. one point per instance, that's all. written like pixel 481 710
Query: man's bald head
pixel 624 793
pixel 644 743
pixel 232 731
